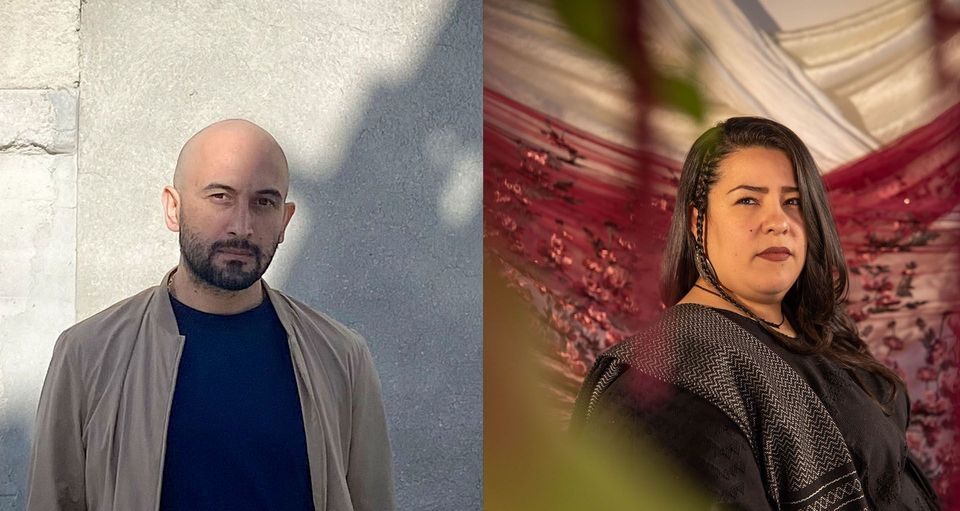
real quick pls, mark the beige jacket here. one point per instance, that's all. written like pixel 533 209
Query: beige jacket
pixel 102 420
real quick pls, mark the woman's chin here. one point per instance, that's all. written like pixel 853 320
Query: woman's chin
pixel 766 292
pixel 775 292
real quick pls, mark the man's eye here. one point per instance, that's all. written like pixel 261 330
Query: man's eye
pixel 219 196
pixel 266 202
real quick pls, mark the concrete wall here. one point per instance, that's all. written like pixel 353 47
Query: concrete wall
pixel 39 75
pixel 378 105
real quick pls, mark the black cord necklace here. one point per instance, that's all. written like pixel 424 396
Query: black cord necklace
pixel 770 323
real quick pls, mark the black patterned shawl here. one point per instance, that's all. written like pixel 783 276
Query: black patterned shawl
pixel 802 455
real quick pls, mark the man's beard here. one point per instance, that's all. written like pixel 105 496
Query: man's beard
pixel 231 275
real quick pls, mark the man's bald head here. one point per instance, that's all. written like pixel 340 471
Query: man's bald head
pixel 231 143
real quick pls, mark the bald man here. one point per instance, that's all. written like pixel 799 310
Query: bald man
pixel 212 390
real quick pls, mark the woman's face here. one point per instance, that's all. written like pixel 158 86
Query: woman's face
pixel 754 230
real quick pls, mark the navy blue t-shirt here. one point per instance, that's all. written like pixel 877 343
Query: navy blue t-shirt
pixel 235 438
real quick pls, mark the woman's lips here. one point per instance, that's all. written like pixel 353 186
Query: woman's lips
pixel 774 256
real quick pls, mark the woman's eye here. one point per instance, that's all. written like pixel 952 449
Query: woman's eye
pixel 747 200
pixel 793 202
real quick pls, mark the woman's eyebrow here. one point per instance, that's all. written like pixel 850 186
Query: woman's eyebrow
pixel 763 189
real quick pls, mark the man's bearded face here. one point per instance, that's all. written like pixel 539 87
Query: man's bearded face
pixel 230 264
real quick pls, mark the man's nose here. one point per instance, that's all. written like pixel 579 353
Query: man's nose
pixel 241 225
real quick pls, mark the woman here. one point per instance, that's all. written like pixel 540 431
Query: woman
pixel 755 381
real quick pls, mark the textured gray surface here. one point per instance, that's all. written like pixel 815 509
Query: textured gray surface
pixel 39 41
pixel 37 208
pixel 384 256
pixel 38 169
pixel 38 121
pixel 378 105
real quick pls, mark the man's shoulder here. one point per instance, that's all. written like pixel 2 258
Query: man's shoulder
pixel 316 322
pixel 117 318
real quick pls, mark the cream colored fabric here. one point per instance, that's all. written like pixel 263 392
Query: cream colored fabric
pixel 761 79
pixel 878 66
pixel 529 56
pixel 846 86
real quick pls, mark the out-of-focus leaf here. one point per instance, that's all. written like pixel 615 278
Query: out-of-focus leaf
pixel 599 24
pixel 682 94
pixel 530 462
pixel 596 22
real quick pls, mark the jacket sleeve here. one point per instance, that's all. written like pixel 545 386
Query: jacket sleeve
pixel 370 470
pixel 56 477
pixel 705 446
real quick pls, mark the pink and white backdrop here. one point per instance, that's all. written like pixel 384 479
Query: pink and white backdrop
pixel 576 204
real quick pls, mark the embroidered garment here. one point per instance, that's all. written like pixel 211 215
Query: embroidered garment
pixel 803 459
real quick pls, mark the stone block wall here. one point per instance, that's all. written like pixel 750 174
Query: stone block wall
pixel 39 78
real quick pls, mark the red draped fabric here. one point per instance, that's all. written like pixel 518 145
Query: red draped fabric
pixel 579 223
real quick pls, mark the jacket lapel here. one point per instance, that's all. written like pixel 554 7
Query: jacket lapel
pixel 310 406
pixel 145 403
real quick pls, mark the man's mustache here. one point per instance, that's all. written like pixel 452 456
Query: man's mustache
pixel 236 244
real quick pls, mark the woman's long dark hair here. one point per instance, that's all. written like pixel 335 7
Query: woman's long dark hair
pixel 814 304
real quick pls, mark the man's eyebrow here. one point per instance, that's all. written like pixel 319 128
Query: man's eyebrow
pixel 763 189
pixel 272 192
pixel 213 186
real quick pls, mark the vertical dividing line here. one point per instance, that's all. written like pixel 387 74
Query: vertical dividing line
pixel 76 156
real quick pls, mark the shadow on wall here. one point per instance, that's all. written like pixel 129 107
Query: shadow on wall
pixel 399 214
pixel 15 453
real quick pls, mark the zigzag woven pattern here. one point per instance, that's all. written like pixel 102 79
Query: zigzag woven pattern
pixel 798 446
pixel 836 497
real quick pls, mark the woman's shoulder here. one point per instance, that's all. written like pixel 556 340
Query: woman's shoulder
pixel 693 434
pixel 688 334
pixel 680 320
pixel 635 395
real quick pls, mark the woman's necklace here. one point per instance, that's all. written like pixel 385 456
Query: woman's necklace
pixel 772 324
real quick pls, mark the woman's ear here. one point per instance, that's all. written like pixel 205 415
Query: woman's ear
pixel 693 213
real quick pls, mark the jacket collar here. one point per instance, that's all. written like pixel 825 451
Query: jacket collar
pixel 161 307
pixel 163 310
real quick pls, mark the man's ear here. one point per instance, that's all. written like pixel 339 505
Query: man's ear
pixel 171 208
pixel 289 209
